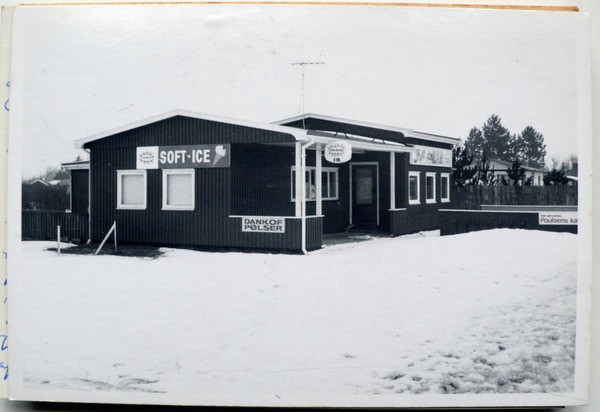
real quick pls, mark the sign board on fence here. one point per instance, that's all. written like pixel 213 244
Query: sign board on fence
pixel 183 157
pixel 558 218
pixel 431 156
pixel 265 224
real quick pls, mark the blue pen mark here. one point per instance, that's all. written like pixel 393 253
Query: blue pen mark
pixel 7 100
pixel 5 367
pixel 4 345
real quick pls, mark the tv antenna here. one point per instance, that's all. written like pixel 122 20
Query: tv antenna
pixel 303 65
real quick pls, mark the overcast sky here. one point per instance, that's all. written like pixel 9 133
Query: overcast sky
pixel 82 70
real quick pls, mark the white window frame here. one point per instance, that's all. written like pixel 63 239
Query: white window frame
pixel 165 174
pixel 416 201
pixel 309 182
pixel 447 176
pixel 131 172
pixel 433 176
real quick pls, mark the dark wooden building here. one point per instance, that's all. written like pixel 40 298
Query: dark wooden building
pixel 189 179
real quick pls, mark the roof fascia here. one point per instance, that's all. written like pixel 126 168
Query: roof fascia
pixel 298 134
pixel 406 132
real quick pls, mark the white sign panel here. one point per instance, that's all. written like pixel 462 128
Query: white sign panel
pixel 265 224
pixel 183 157
pixel 558 218
pixel 146 157
pixel 338 152
pixel 431 156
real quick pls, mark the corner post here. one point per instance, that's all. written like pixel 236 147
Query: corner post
pixel 392 180
pixel 298 179
pixel 318 180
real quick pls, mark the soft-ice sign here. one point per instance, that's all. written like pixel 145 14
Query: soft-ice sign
pixel 338 152
pixel 183 157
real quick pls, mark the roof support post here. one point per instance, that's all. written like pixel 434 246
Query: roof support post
pixel 392 180
pixel 298 179
pixel 318 180
pixel 303 191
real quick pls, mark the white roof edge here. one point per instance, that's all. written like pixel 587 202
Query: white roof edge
pixel 406 132
pixel 298 134
pixel 371 146
pixel 76 165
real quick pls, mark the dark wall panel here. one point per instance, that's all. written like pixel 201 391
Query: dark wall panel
pixel 80 190
pixel 460 221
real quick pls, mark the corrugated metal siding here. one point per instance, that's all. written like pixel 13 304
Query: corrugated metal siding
pixel 210 223
pixel 181 130
pixel 398 222
pixel 80 191
pixel 261 180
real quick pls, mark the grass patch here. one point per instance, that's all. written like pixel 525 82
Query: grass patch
pixel 141 251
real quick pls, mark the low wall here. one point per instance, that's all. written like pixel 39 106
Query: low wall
pixel 462 221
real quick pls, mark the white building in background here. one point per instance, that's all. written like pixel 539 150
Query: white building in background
pixel 501 168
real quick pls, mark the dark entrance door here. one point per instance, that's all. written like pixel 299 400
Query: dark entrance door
pixel 364 196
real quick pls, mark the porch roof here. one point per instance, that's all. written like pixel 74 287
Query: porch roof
pixel 373 131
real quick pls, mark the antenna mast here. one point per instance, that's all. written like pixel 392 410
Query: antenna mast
pixel 302 65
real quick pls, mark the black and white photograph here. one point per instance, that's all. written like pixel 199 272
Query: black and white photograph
pixel 286 205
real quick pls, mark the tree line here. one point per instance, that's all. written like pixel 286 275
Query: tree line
pixel 471 161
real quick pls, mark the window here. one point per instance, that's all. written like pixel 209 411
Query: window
pixel 430 187
pixel 178 189
pixel 445 182
pixel 414 188
pixel 329 183
pixel 131 189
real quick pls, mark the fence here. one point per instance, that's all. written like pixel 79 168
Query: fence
pixel 472 197
pixel 462 221
pixel 42 225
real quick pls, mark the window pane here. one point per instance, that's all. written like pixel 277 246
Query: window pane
pixel 324 185
pixel 444 187
pixel 333 188
pixel 429 187
pixel 364 186
pixel 413 188
pixel 311 190
pixel 179 190
pixel 132 190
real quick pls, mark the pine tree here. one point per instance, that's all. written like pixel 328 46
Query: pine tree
pixel 475 143
pixel 532 149
pixel 484 176
pixel 462 172
pixel 516 172
pixel 496 138
pixel 555 177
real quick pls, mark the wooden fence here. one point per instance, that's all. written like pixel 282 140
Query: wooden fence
pixel 472 197
pixel 42 225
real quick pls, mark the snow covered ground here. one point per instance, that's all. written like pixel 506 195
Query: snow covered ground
pixel 483 312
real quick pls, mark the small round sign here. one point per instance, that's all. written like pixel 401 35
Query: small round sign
pixel 338 152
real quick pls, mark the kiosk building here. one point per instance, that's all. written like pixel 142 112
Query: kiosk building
pixel 192 179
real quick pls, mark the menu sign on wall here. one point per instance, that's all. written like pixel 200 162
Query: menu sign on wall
pixel 431 156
